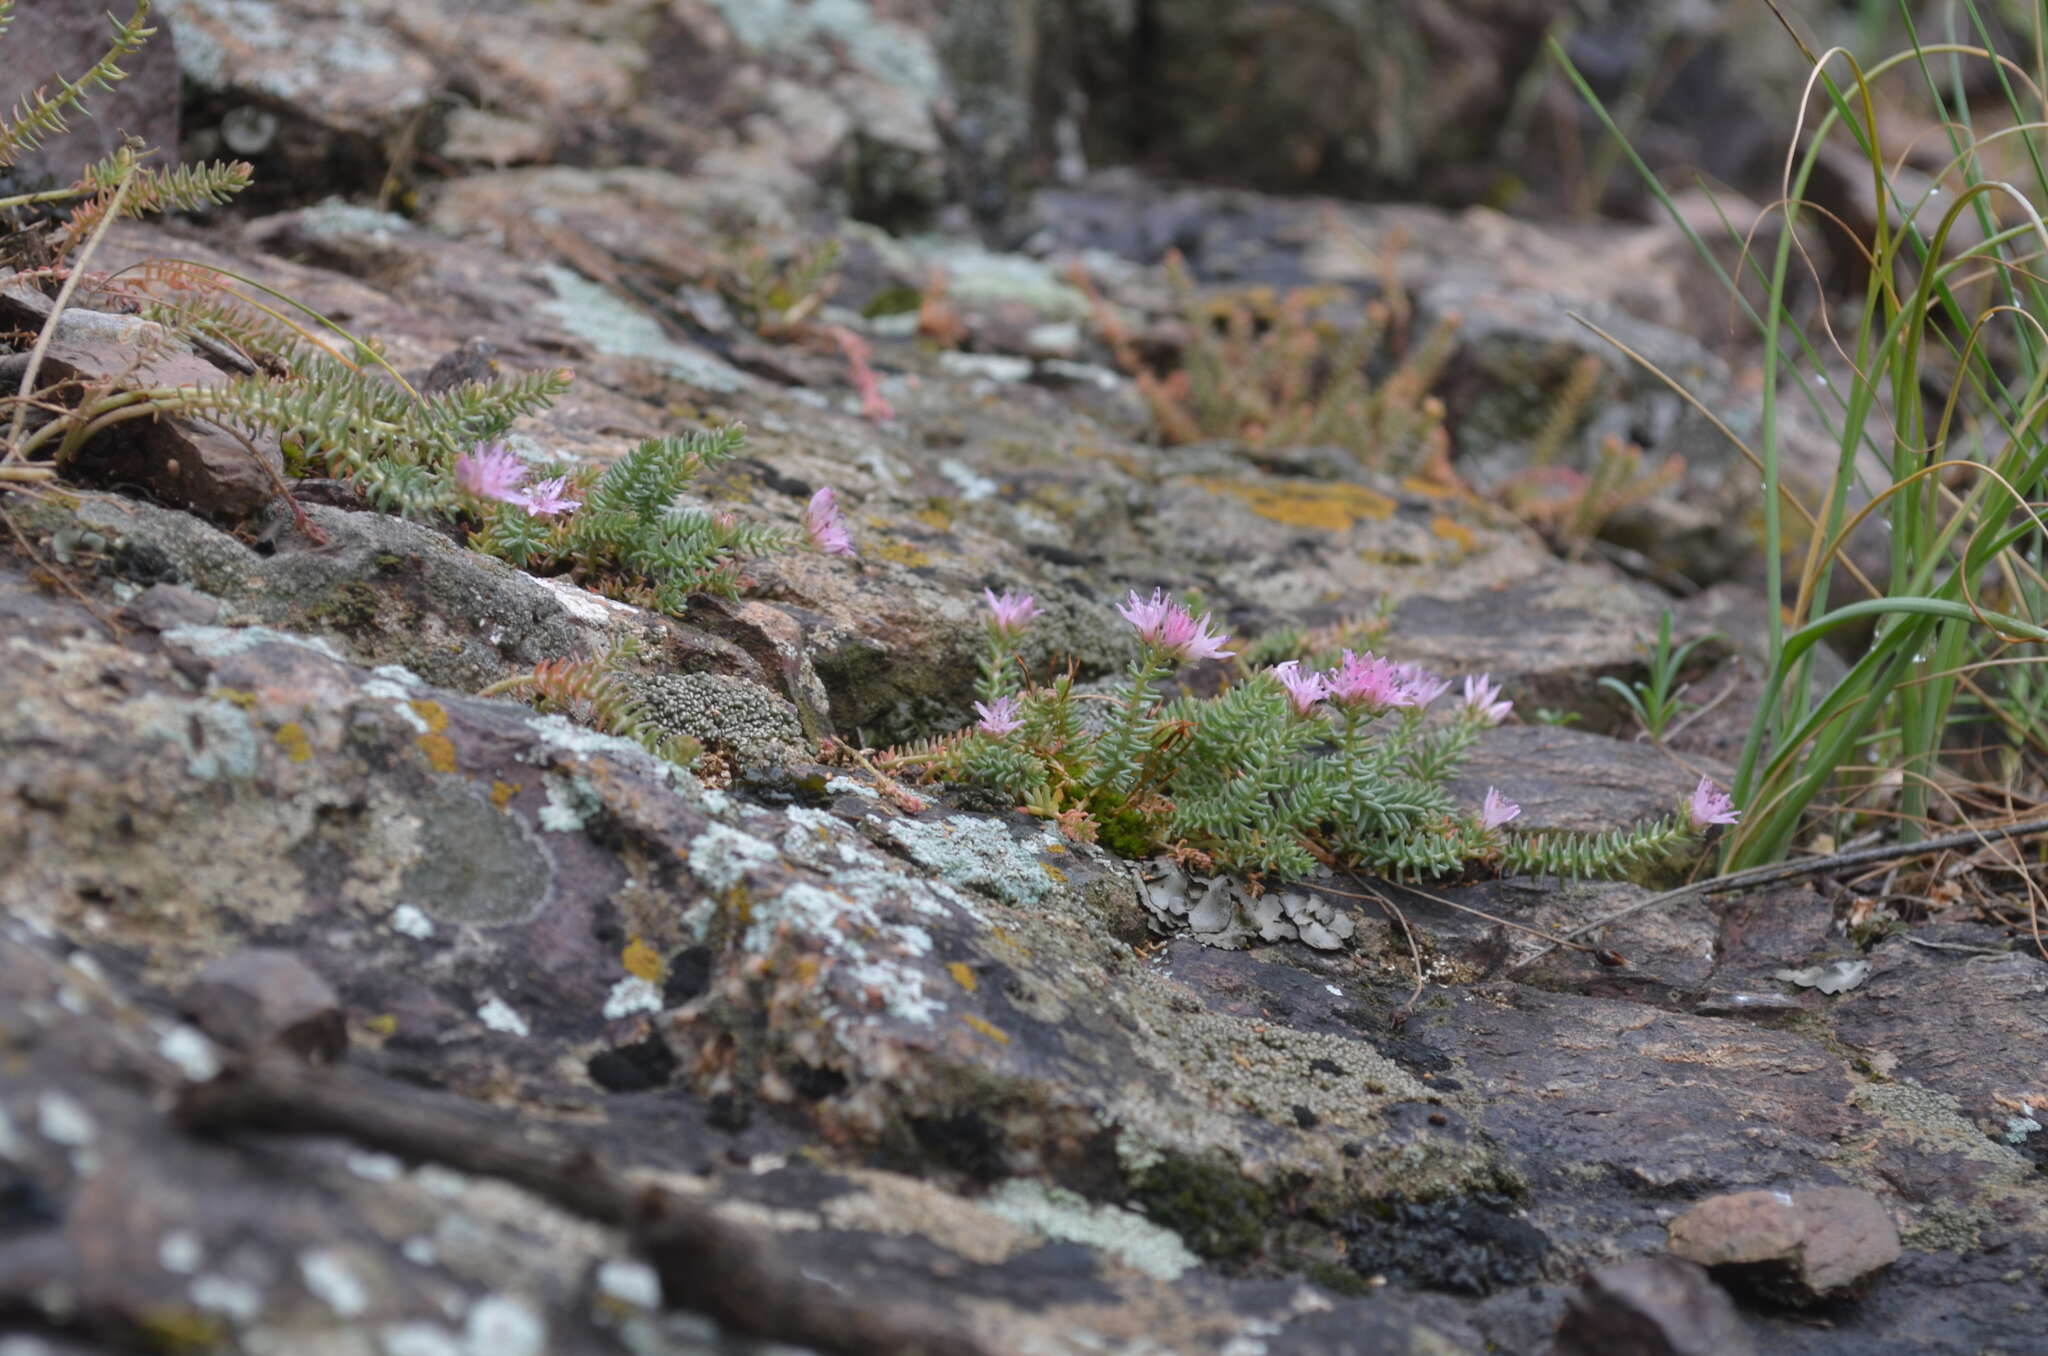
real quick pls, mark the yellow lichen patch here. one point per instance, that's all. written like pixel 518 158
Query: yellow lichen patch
pixel 899 551
pixel 502 793
pixel 291 737
pixel 963 976
pixel 642 962
pixel 1008 939
pixel 235 696
pixel 1123 461
pixel 988 1029
pixel 1049 869
pixel 1454 532
pixel 430 712
pixel 440 751
pixel 937 517
pixel 1427 488
pixel 1326 508
pixel 383 1026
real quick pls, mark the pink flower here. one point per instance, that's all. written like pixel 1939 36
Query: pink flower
pixel 998 717
pixel 1365 680
pixel 1304 688
pixel 546 499
pixel 490 472
pixel 1711 805
pixel 1422 686
pixel 1496 809
pixel 1482 700
pixel 1011 610
pixel 826 528
pixel 1167 626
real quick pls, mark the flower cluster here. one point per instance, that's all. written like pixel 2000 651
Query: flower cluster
pixel 824 524
pixel 491 472
pixel 1287 767
pixel 1172 630
pixel 620 531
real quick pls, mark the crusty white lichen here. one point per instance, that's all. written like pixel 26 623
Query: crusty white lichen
pixel 721 855
pixel 1125 1234
pixel 979 854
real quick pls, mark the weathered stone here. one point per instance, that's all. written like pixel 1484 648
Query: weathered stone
pixel 52 41
pixel 1653 1306
pixel 1353 98
pixel 95 354
pixel 1799 1247
pixel 1962 1021
pixel 262 996
pixel 160 607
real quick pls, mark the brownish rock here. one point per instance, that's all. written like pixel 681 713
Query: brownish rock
pixel 262 996
pixel 53 40
pixel 1652 1306
pixel 182 463
pixel 1796 1247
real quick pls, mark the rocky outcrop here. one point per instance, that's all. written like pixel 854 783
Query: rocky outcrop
pixel 347 1008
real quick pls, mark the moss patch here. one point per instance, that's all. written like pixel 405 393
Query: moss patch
pixel 1218 1214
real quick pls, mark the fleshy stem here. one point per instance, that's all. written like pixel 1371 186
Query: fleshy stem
pixel 1122 745
pixel 998 666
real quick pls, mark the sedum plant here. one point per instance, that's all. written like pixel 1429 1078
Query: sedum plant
pixel 1268 369
pixel 121 184
pixel 337 408
pixel 615 527
pixel 1290 768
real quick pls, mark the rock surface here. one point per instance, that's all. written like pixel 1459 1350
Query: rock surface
pixel 1800 1247
pixel 1653 1306
pixel 347 1009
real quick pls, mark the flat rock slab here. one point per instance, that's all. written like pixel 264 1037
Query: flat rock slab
pixel 1801 1247
pixel 1971 1025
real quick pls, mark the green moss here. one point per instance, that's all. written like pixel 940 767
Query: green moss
pixel 352 607
pixel 1218 1214
pixel 1334 1277
pixel 1127 834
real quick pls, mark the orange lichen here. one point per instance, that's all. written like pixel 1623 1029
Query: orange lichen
pixel 1324 507
pixel 439 751
pixel 900 552
pixel 988 1029
pixel 502 792
pixel 643 962
pixel 1454 532
pixel 963 975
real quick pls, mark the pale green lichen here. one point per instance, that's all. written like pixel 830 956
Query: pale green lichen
pixel 979 854
pixel 571 803
pixel 336 217
pixel 218 643
pixel 475 863
pixel 614 327
pixel 720 856
pixel 495 1013
pixel 219 741
pixel 558 734
pixel 816 33
pixel 818 839
pixel 1125 1234
pixel 854 933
